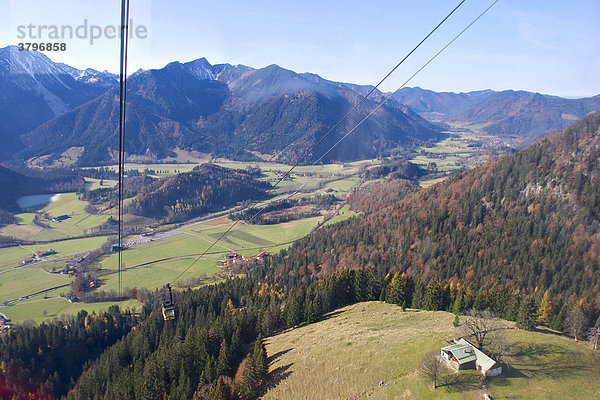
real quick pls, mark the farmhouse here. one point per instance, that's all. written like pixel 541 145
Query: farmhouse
pixel 463 355
pixel 41 254
pixel 60 218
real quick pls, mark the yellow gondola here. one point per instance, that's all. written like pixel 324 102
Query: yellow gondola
pixel 168 309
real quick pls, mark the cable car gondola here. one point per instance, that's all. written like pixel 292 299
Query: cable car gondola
pixel 168 309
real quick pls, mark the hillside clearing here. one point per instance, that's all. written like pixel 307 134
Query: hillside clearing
pixel 348 354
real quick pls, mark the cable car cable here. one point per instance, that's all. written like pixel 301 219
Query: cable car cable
pixel 122 107
pixel 389 95
pixel 309 151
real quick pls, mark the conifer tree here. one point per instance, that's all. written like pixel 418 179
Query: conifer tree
pixel 223 367
pixel 418 295
pixel 456 306
pixel 527 314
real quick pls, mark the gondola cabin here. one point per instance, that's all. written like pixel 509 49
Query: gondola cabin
pixel 168 309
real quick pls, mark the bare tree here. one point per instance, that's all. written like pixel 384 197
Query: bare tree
pixel 478 324
pixel 594 337
pixel 576 322
pixel 500 348
pixel 432 367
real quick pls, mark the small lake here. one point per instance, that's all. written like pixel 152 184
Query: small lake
pixel 37 200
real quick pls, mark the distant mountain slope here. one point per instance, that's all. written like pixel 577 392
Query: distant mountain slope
pixel 33 89
pixel 229 111
pixel 526 114
pixel 528 220
pixel 448 103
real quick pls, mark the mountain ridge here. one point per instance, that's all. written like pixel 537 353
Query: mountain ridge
pixel 229 111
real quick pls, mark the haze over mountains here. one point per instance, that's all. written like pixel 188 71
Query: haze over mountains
pixel 238 112
pixel 507 113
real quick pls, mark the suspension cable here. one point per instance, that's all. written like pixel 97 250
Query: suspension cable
pixel 309 151
pixel 389 95
pixel 122 109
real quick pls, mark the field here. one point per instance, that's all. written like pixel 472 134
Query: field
pixel 151 264
pixel 25 281
pixel 79 223
pixel 154 263
pixel 372 350
pixel 161 261
pixel 40 310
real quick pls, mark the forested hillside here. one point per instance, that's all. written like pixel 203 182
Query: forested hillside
pixel 230 111
pixel 529 220
pixel 524 114
pixel 206 188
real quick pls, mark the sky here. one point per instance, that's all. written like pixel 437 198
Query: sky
pixel 546 46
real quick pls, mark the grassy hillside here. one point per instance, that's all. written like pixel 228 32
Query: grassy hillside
pixel 347 355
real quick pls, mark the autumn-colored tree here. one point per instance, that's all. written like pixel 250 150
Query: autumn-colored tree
pixel 546 311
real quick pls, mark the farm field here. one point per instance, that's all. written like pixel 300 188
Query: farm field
pixel 359 346
pixel 152 264
pixel 39 309
pixel 78 224
pixel 171 169
pixel 24 281
pixel 165 259
pixel 11 257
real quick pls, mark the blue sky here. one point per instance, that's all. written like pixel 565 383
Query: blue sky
pixel 545 46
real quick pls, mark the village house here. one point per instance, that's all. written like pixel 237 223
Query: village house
pixel 464 355
pixel 4 323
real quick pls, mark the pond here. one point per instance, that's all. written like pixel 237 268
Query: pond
pixel 37 200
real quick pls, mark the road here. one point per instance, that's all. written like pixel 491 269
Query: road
pixel 145 239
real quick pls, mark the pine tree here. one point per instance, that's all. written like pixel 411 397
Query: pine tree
pixel 418 295
pixel 255 371
pixel 527 314
pixel 259 357
pixel 433 296
pixel 219 391
pixel 546 311
pixel 223 367
pixel 456 307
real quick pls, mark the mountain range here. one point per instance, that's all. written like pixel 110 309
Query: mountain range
pixel 33 90
pixel 238 112
pixel 519 114
pixel 227 110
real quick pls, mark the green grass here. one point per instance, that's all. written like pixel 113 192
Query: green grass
pixel 40 310
pixel 167 258
pixel 67 203
pixel 343 185
pixel 25 281
pixel 431 182
pixel 343 214
pixel 11 257
pixel 360 345
pixel 93 184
